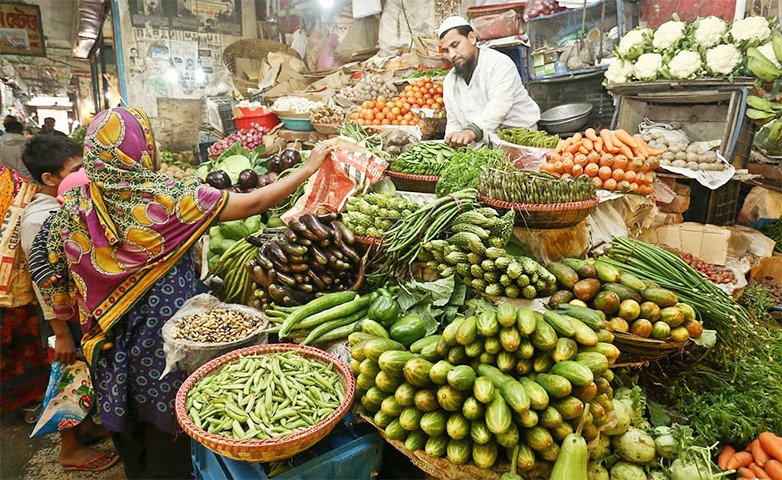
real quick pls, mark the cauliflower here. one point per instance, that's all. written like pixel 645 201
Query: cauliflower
pixel 668 35
pixel 648 66
pixel 750 31
pixel 723 59
pixel 619 71
pixel 768 51
pixel 685 64
pixel 708 31
pixel 634 43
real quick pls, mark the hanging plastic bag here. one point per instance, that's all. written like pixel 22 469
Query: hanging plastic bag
pixel 68 398
pixel 299 42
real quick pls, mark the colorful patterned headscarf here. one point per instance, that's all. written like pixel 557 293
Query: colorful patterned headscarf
pixel 115 237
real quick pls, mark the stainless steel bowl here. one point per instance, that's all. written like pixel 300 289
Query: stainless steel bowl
pixel 568 126
pixel 563 113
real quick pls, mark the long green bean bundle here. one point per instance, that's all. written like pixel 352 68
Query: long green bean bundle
pixel 402 243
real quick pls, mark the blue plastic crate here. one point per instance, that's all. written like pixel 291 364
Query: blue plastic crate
pixel 348 452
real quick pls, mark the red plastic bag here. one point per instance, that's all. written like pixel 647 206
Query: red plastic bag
pixel 349 170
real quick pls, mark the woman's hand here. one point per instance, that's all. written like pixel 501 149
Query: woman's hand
pixel 317 156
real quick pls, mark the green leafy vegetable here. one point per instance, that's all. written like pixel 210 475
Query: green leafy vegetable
pixel 465 167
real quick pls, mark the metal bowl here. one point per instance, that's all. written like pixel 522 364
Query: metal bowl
pixel 568 126
pixel 562 113
pixel 566 118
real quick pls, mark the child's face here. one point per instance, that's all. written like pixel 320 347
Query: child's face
pixel 73 164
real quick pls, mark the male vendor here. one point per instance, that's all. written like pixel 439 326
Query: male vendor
pixel 483 91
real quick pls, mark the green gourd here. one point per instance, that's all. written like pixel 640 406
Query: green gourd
pixel 571 463
pixel 512 474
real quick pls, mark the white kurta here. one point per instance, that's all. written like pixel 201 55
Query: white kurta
pixel 494 98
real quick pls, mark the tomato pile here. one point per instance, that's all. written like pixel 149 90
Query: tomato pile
pixel 421 93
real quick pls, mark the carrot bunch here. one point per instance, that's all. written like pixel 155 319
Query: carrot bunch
pixel 613 160
pixel 761 459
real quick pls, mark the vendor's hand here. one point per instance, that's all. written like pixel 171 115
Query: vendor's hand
pixel 51 281
pixel 65 348
pixel 461 138
pixel 316 157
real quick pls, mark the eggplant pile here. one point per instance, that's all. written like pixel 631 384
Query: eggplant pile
pixel 312 255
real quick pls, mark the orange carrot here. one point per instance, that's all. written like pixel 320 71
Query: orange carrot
pixel 726 454
pixel 772 445
pixel 741 459
pixel 560 146
pixel 760 455
pixel 577 137
pixel 653 152
pixel 584 150
pixel 573 148
pixel 774 469
pixel 598 145
pixel 625 138
pixel 588 144
pixel 643 148
pixel 745 472
pixel 626 151
pixel 608 144
pixel 591 134
pixel 758 470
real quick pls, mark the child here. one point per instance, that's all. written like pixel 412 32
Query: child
pixel 41 270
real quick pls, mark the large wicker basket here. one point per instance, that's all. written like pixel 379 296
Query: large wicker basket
pixel 267 450
pixel 253 49
pixel 635 350
pixel 545 215
pixel 413 183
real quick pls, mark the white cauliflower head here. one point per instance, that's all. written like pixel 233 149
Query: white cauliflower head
pixel 767 49
pixel 709 31
pixel 723 59
pixel 619 71
pixel 685 64
pixel 648 66
pixel 668 35
pixel 750 31
pixel 634 43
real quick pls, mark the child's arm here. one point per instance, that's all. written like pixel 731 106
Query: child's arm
pixel 41 270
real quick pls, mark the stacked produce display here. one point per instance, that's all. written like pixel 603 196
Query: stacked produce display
pixel 379 110
pixel 612 160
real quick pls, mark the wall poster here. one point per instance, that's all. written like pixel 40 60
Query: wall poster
pixel 215 16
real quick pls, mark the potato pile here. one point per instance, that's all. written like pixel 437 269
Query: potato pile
pixel 369 87
pixel 683 155
pixel 328 115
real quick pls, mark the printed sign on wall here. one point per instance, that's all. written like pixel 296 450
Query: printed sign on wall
pixel 21 32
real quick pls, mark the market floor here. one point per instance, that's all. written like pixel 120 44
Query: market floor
pixel 23 458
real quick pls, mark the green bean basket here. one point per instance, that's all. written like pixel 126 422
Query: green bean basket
pixel 270 403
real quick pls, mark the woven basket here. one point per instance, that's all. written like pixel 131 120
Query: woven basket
pixel 327 128
pixel 636 350
pixel 545 215
pixel 267 450
pixel 253 49
pixel 413 183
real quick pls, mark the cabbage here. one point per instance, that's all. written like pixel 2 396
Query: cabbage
pixel 384 187
pixel 233 166
pixel 665 443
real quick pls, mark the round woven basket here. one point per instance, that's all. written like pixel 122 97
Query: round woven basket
pixel 413 183
pixel 327 128
pixel 545 215
pixel 267 450
pixel 253 49
pixel 637 350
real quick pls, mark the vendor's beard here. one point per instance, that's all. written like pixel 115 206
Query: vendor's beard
pixel 465 70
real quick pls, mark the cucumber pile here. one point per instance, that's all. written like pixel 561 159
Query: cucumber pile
pixel 632 305
pixel 491 381
pixel 474 252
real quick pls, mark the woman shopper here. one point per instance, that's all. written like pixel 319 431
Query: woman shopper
pixel 124 246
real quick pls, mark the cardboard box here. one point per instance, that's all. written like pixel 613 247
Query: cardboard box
pixel 707 242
